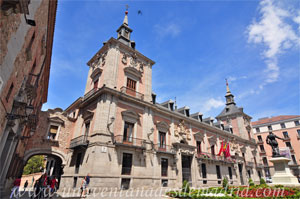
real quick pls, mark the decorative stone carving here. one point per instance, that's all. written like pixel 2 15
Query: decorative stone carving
pixel 182 131
pixel 103 58
pixel 199 136
pixel 124 59
pixel 141 67
pixel 133 60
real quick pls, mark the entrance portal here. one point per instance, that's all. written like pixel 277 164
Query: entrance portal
pixel 186 168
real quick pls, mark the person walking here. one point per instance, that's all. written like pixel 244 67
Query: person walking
pixel 25 185
pixel 87 183
pixel 83 188
pixel 32 183
pixel 53 186
pixel 15 189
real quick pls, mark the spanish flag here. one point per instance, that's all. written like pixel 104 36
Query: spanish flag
pixel 227 151
pixel 222 149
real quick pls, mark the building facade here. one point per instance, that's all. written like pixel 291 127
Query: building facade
pixel 27 29
pixel 123 138
pixel 286 127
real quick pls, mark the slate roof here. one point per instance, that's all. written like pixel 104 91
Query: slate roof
pixel 230 110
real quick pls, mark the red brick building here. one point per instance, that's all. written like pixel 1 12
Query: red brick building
pixel 27 29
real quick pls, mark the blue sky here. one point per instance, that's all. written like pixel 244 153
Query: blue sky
pixel 196 45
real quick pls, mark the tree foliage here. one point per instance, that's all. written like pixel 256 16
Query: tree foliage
pixel 34 165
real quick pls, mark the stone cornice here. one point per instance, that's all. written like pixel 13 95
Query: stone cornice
pixel 49 44
pixel 113 41
pixel 165 111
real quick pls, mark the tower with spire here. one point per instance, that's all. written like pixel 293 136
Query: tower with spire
pixel 229 97
pixel 118 65
pixel 235 117
pixel 124 32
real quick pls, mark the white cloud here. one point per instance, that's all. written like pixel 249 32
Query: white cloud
pixel 277 36
pixel 171 29
pixel 212 103
pixel 232 78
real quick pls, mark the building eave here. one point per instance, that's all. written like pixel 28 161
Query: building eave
pixel 115 41
pixel 163 110
pixel 49 45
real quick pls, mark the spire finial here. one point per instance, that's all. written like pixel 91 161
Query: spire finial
pixel 125 21
pixel 227 87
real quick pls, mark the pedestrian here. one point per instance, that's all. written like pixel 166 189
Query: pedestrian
pixel 15 189
pixel 25 185
pixel 53 185
pixel 87 183
pixel 38 188
pixel 32 183
pixel 83 188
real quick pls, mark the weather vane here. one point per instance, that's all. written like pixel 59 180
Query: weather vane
pixel 127 6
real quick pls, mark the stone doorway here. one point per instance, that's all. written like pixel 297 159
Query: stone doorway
pixel 186 162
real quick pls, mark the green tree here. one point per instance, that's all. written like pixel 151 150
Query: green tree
pixel 34 165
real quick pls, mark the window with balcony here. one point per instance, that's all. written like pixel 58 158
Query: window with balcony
pixel 262 148
pixel 212 150
pixel 126 164
pixel 282 125
pixel 270 128
pixel 288 144
pixel 128 131
pixel 198 147
pixel 259 138
pixel 131 84
pixel 95 87
pixel 294 159
pixel 162 140
pixel 164 167
pixel 298 131
pixel 257 130
pixel 78 162
pixel 87 128
pixel 52 134
pixel 265 161
pixel 297 123
pixel 285 134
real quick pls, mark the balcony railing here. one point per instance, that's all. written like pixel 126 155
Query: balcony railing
pixel 164 149
pixel 286 139
pixel 80 141
pixel 249 164
pixel 209 156
pixel 129 141
pixel 262 152
pixel 259 165
pixel 132 92
pixel 126 170
pixel 90 93
pixel 164 172
pixel 260 141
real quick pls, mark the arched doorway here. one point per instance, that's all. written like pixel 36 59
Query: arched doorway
pixel 53 164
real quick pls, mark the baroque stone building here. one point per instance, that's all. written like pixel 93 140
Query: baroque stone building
pixel 123 138
pixel 27 29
